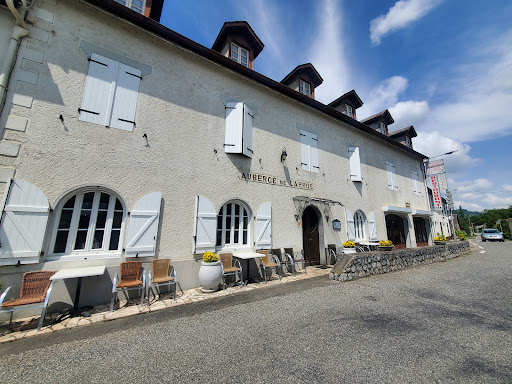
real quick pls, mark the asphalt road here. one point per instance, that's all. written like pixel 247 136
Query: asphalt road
pixel 442 323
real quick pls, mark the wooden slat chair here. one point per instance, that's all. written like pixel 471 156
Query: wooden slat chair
pixel 269 261
pixel 297 257
pixel 36 288
pixel 133 276
pixel 230 266
pixel 285 260
pixel 159 276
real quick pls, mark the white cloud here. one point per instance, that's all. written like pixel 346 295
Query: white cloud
pixel 407 113
pixel 403 13
pixel 480 194
pixel 507 187
pixel 382 96
pixel 327 52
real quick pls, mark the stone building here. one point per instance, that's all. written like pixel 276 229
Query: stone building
pixel 132 141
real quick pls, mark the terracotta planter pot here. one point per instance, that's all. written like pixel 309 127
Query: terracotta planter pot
pixel 210 276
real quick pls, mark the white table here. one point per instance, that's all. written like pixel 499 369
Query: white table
pixel 247 255
pixel 367 245
pixel 76 273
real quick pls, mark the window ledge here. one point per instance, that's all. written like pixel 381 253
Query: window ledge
pixel 85 256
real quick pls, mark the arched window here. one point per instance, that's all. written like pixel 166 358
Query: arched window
pixel 88 221
pixel 359 224
pixel 233 225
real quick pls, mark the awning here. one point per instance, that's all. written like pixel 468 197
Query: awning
pixel 393 209
pixel 418 212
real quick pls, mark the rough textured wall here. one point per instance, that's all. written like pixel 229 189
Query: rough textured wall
pixel 376 263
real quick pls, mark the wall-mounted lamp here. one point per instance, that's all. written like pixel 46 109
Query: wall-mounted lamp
pixel 283 155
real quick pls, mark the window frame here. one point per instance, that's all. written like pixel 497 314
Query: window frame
pixel 350 110
pixel 88 252
pixel 303 85
pixel 129 4
pixel 360 225
pixel 222 245
pixel 382 127
pixel 239 49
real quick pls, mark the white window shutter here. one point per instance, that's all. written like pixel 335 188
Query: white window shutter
pixel 373 227
pixel 264 226
pixel 143 226
pixel 393 175
pixel 98 90
pixel 304 150
pixel 355 164
pixel 234 127
pixel 125 98
pixel 247 132
pixel 415 182
pixel 205 229
pixel 23 224
pixel 351 230
pixel 389 172
pixel 313 152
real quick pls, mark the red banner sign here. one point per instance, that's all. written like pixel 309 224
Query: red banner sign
pixel 438 204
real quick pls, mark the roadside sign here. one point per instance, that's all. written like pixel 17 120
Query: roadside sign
pixel 438 204
pixel 435 163
pixel 435 170
pixel 449 199
pixel 441 179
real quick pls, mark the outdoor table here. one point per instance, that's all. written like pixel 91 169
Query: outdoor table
pixel 78 273
pixel 247 255
pixel 367 245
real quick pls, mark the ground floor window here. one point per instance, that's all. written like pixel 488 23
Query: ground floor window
pixel 359 224
pixel 89 221
pixel 395 230
pixel 233 225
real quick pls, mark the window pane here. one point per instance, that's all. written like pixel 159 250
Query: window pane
pixel 97 242
pixel 88 199
pixel 119 206
pixel 101 220
pixel 85 217
pixel 236 237
pixel 65 218
pixel 104 199
pixel 114 240
pixel 245 237
pixel 60 241
pixel 70 203
pixel 81 236
pixel 118 219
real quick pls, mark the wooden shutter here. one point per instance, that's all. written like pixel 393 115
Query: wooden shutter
pixel 23 224
pixel 351 230
pixel 125 98
pixel 234 127
pixel 390 170
pixel 313 152
pixel 355 164
pixel 98 90
pixel 415 182
pixel 264 226
pixel 373 227
pixel 393 175
pixel 143 226
pixel 247 132
pixel 304 150
pixel 205 229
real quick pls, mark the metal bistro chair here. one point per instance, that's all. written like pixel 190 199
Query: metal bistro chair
pixel 131 272
pixel 285 260
pixel 297 257
pixel 159 276
pixel 332 252
pixel 35 292
pixel 230 266
pixel 266 262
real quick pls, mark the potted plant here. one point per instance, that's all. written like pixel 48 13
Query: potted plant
pixel 210 272
pixel 385 245
pixel 349 247
pixel 439 240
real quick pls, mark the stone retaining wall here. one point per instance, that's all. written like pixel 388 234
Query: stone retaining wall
pixel 374 263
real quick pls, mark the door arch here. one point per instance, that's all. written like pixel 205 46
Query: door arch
pixel 395 230
pixel 311 236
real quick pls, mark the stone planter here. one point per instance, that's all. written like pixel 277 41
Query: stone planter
pixel 210 276
pixel 437 242
pixel 349 250
pixel 385 248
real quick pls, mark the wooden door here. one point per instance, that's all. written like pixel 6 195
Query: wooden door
pixel 310 236
pixel 395 230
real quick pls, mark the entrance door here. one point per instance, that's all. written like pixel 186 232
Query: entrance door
pixel 395 230
pixel 420 229
pixel 310 236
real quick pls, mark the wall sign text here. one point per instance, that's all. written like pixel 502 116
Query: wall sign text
pixel 268 179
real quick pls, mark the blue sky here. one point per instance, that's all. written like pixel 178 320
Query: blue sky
pixel 444 66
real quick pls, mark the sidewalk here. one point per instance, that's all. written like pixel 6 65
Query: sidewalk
pixel 27 327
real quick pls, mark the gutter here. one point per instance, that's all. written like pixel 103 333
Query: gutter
pixel 19 31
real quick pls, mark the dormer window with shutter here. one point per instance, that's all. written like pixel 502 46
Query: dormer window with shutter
pixel 347 104
pixel 304 79
pixel 238 137
pixel 404 135
pixel 240 55
pixel 380 122
pixel 305 88
pixel 349 110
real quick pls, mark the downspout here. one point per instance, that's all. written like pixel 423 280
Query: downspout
pixel 18 33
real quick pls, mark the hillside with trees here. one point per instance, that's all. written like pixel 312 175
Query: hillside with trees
pixel 488 217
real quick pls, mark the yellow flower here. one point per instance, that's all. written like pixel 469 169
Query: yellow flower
pixel 385 243
pixel 210 257
pixel 349 244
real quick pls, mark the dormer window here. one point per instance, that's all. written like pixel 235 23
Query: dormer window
pixel 240 55
pixel 136 5
pixel 382 127
pixel 349 110
pixel 305 88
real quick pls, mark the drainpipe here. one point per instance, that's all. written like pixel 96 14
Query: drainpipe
pixel 18 33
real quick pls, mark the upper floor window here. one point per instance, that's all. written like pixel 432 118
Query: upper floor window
pixel 233 225
pixel 110 93
pixel 136 5
pixel 89 221
pixel 240 55
pixel 309 151
pixel 304 88
pixel 238 135
pixel 415 183
pixel 355 163
pixel 382 127
pixel 350 110
pixel 391 174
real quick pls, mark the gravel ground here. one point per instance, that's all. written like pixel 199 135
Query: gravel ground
pixel 442 323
